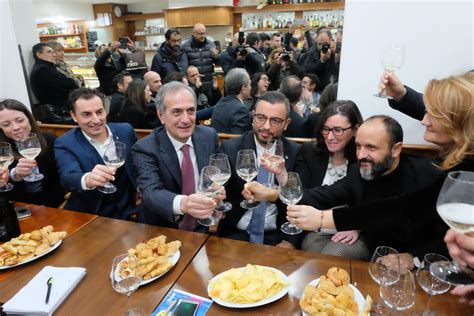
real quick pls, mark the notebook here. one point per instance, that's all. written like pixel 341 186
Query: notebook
pixel 31 298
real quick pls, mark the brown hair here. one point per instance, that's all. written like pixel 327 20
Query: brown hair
pixel 11 104
pixel 449 101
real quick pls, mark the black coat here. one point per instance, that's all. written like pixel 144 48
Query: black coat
pixel 115 105
pixel 230 115
pixel 164 64
pixel 327 71
pixel 253 63
pixel 297 126
pixel 107 69
pixel 199 55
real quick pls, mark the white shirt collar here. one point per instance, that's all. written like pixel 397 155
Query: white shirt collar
pixel 92 140
pixel 177 144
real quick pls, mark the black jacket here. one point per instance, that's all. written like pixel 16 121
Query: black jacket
pixel 253 63
pixel 297 127
pixel 107 69
pixel 230 115
pixel 327 72
pixel 164 64
pixel 199 55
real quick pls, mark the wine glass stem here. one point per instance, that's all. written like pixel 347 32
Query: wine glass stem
pixel 428 304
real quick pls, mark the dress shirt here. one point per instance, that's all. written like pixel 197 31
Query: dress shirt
pixel 271 211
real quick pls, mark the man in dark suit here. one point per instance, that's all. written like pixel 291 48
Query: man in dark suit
pixel 79 155
pixel 270 119
pixel 167 162
pixel 292 88
pixel 230 115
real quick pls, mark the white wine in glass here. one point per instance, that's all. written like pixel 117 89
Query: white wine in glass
pixel 114 157
pixel 246 166
pixel 6 159
pixel 30 147
pixel 291 193
pixel 455 205
pixel 222 162
pixel 273 157
pixel 209 188
pixel 392 59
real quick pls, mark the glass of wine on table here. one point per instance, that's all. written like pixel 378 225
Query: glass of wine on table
pixel 30 147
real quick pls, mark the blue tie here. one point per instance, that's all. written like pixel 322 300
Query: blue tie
pixel 256 226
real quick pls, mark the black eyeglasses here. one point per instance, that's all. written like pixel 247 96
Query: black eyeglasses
pixel 337 131
pixel 262 119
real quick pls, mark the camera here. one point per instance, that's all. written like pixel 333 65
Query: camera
pixel 123 42
pixel 285 55
pixel 338 48
pixel 325 48
pixel 241 39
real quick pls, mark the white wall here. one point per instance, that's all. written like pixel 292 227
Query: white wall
pixel 12 81
pixel 438 36
pixel 202 3
pixel 148 7
pixel 44 11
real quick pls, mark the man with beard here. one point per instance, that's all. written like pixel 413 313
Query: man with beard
pixel 381 172
pixel 261 224
pixel 169 57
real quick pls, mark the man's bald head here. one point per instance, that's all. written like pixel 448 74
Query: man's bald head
pixel 199 32
pixel 154 81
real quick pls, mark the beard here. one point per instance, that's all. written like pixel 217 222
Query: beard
pixel 378 168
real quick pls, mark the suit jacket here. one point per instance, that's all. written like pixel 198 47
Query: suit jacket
pixel 158 172
pixel 230 115
pixel 297 127
pixel 75 156
pixel 234 188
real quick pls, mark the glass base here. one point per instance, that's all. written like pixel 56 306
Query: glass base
pixel 448 272
pixel 291 229
pixel 223 207
pixel 33 177
pixel 211 220
pixel 108 188
pixel 383 96
pixel 7 187
pixel 249 204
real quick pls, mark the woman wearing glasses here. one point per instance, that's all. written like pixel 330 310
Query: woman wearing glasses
pixel 324 162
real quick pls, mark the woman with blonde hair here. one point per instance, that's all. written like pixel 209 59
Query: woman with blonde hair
pixel 61 64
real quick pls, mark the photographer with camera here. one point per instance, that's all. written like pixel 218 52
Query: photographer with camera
pixel 284 65
pixel 321 59
pixel 250 57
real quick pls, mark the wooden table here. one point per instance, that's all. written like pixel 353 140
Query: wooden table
pixel 219 254
pixel 94 247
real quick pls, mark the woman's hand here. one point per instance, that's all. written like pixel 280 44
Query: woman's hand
pixel 346 237
pixel 461 248
pixel 254 191
pixel 392 86
pixel 465 293
pixel 304 216
pixel 24 167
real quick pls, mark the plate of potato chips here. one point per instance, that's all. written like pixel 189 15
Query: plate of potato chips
pixel 29 246
pixel 154 257
pixel 332 294
pixel 249 286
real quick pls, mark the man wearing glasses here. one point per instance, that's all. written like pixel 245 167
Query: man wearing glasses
pixel 270 119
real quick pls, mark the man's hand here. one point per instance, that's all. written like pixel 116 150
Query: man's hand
pixel 198 206
pixel 99 176
pixel 214 52
pixel 130 44
pixel 461 248
pixel 465 293
pixel 325 57
pixel 304 216
pixel 285 244
pixel 392 86
pixel 199 81
pixel 24 167
pixel 405 260
pixel 113 46
pixel 258 192
pixel 306 96
pixel 346 237
pixel 4 175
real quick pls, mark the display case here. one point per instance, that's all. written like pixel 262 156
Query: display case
pixel 72 35
pixel 83 64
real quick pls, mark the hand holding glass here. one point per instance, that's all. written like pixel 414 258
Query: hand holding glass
pixel 246 166
pixel 6 158
pixel 209 188
pixel 291 193
pixel 273 158
pixel 30 147
pixel 222 162
pixel 392 59
pixel 114 157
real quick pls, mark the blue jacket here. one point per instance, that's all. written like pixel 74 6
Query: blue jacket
pixel 75 156
pixel 164 64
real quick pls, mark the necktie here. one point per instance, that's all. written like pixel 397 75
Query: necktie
pixel 257 223
pixel 188 187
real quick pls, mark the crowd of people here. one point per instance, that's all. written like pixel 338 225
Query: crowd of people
pixel 360 190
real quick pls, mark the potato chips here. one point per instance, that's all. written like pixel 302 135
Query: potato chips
pixel 153 257
pixel 247 285
pixel 29 245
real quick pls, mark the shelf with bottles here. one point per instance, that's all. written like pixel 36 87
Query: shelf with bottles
pixel 279 22
pixel 72 35
pixel 297 7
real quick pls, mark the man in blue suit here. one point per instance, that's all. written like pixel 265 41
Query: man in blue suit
pixel 168 161
pixel 79 155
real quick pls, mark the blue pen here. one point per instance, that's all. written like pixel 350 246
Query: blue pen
pixel 50 284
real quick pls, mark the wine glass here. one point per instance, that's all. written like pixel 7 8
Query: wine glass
pixel 397 289
pixel 30 147
pixel 273 156
pixel 383 258
pixel 291 193
pixel 430 284
pixel 126 283
pixel 455 205
pixel 210 188
pixel 392 59
pixel 246 166
pixel 222 162
pixel 114 157
pixel 6 158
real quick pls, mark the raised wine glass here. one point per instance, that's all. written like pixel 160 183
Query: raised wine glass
pixel 6 158
pixel 114 157
pixel 126 283
pixel 210 188
pixel 455 205
pixel 273 156
pixel 246 166
pixel 222 162
pixel 397 289
pixel 430 284
pixel 291 193
pixel 392 59
pixel 30 147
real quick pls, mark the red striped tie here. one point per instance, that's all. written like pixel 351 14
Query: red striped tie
pixel 188 187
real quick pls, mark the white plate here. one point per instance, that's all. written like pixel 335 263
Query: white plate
pixel 56 245
pixel 173 259
pixel 270 299
pixel 357 296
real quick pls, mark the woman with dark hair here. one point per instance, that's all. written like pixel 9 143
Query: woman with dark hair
pixel 17 122
pixel 137 108
pixel 259 83
pixel 324 162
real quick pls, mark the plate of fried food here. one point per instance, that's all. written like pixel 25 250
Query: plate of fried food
pixel 332 294
pixel 249 286
pixel 29 246
pixel 154 257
